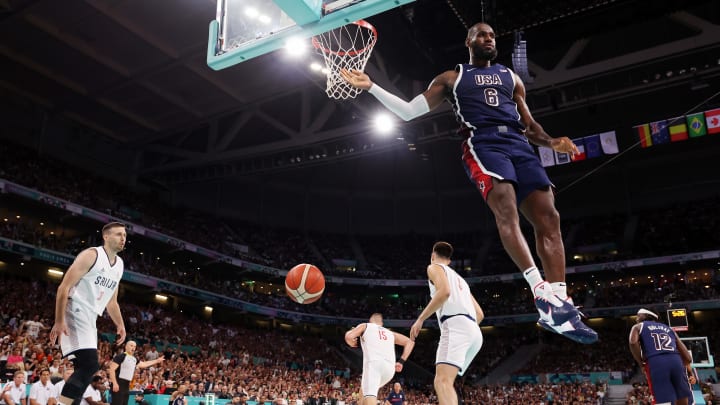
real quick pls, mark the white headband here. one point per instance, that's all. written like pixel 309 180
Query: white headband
pixel 647 312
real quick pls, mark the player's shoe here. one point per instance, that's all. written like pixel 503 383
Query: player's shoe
pixel 572 328
pixel 552 314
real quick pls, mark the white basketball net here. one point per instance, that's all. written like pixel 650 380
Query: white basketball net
pixel 348 47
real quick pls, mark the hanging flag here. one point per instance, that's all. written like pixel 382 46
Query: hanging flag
pixel 696 125
pixel 644 135
pixel 608 142
pixel 678 129
pixel 562 158
pixel 712 118
pixel 579 142
pixel 659 132
pixel 592 146
pixel 547 156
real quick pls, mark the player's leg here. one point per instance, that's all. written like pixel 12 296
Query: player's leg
pixel 537 204
pixel 680 382
pixel 659 371
pixel 491 169
pixel 501 200
pixel 460 341
pixel 85 362
pixel 539 208
pixel 369 383
pixel 444 379
pixel 80 347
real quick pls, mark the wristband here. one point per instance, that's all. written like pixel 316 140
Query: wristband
pixel 400 360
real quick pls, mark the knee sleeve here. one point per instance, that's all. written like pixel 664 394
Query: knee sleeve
pixel 85 362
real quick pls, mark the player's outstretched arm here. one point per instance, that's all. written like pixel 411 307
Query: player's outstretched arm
pixel 351 336
pixel 533 130
pixel 421 104
pixel 408 346
pixel 82 264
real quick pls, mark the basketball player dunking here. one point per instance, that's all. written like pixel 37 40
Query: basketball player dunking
pixel 378 346
pixel 89 287
pixel 489 102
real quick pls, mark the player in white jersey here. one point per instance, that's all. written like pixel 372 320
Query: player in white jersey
pixel 378 346
pixel 89 287
pixel 459 316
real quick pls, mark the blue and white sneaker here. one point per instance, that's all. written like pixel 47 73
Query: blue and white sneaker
pixel 564 320
pixel 552 314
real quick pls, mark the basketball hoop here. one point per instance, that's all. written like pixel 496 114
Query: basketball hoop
pixel 348 47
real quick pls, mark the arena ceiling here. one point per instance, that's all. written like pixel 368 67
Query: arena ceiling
pixel 134 72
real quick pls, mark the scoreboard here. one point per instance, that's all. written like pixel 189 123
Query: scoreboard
pixel 677 319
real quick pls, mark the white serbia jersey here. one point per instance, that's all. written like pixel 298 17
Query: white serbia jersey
pixel 460 301
pixel 378 343
pixel 98 285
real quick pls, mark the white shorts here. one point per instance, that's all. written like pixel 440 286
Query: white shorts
pixel 376 373
pixel 460 340
pixel 82 330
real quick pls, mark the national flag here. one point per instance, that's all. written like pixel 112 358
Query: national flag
pixel 659 132
pixel 581 150
pixel 712 118
pixel 644 135
pixel 547 156
pixel 592 146
pixel 696 125
pixel 608 142
pixel 562 158
pixel 678 129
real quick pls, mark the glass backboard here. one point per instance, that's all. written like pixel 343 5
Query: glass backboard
pixel 244 29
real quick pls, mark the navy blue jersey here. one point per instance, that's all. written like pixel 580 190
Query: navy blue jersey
pixel 483 97
pixel 396 398
pixel 656 339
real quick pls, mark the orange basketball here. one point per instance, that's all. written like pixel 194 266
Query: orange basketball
pixel 304 283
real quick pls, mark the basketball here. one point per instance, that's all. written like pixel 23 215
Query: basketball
pixel 304 283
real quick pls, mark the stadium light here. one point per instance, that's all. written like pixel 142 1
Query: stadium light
pixel 384 123
pixel 55 272
pixel 296 46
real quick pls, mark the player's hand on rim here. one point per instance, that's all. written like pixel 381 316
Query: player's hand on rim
pixel 356 78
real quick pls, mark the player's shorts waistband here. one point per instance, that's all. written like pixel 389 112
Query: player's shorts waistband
pixel 498 129
pixel 446 317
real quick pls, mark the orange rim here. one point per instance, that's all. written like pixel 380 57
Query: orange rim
pixel 360 23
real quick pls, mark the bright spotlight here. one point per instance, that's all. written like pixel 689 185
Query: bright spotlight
pixel 325 71
pixel 251 12
pixel 264 19
pixel 296 46
pixel 384 123
pixel 315 66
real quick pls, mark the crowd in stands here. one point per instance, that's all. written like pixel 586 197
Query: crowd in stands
pixel 556 358
pixel 689 227
pixel 523 394
pixel 229 360
pixel 606 290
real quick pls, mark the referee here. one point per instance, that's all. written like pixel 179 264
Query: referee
pixel 122 370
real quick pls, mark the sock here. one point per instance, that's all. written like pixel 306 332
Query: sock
pixel 560 289
pixel 541 287
pixel 537 284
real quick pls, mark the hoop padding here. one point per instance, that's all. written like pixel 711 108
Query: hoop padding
pixel 348 47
